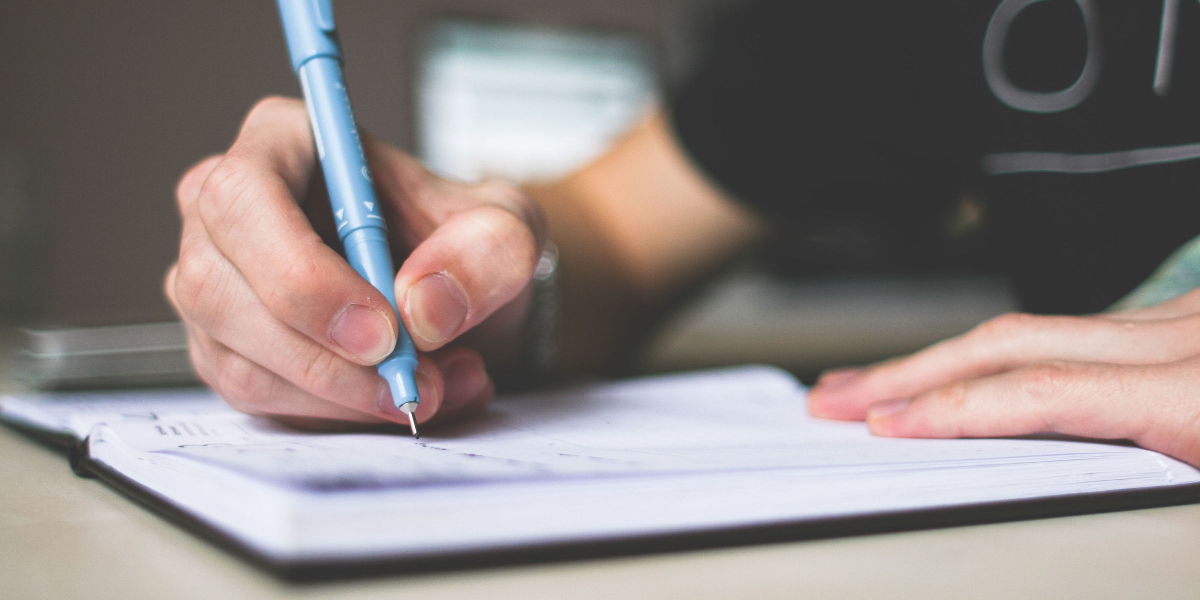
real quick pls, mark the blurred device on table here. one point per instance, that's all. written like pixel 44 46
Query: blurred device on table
pixel 147 354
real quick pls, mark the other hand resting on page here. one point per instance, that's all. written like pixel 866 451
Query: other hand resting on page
pixel 1126 375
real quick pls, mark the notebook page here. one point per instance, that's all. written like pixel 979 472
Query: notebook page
pixel 730 420
pixel 76 413
pixel 716 449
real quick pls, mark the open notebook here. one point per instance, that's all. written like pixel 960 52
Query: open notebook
pixel 675 461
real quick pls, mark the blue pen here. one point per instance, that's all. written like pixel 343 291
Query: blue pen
pixel 317 58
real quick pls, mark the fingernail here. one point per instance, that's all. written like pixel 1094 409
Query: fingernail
pixel 437 307
pixel 887 408
pixel 363 332
pixel 386 406
pixel 430 402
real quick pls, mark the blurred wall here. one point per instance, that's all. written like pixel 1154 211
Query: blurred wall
pixel 103 104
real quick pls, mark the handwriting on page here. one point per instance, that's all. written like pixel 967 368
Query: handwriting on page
pixel 685 425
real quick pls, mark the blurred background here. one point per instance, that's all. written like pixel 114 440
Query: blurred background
pixel 103 104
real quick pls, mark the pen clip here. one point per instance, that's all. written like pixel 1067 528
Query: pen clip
pixel 309 29
pixel 322 11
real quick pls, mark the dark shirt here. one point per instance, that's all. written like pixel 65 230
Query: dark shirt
pixel 857 126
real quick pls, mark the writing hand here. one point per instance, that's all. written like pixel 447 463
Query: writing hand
pixel 280 325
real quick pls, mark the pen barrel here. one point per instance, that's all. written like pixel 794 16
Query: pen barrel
pixel 356 210
pixel 316 56
pixel 339 148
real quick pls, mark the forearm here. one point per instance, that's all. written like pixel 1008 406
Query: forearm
pixel 596 300
pixel 633 228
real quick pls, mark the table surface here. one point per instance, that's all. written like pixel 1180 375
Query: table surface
pixel 63 537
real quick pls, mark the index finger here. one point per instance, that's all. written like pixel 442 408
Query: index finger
pixel 1152 405
pixel 1002 344
pixel 249 208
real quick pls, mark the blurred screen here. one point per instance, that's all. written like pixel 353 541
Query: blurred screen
pixel 525 103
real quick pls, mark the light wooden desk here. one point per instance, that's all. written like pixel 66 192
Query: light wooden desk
pixel 65 537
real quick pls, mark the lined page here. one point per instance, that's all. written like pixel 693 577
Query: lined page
pixel 726 420
pixel 731 420
pixel 687 452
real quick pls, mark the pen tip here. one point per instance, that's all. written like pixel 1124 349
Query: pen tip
pixel 412 422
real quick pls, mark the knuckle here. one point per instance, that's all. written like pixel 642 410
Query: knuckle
pixel 243 384
pixel 224 189
pixel 953 396
pixel 188 188
pixel 277 114
pixel 198 281
pixel 169 286
pixel 943 408
pixel 271 107
pixel 320 374
pixel 1003 326
pixel 201 361
pixel 508 234
pixel 191 276
pixel 521 205
pixel 1046 381
pixel 1045 386
pixel 300 282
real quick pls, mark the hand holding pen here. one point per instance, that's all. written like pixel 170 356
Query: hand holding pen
pixel 280 324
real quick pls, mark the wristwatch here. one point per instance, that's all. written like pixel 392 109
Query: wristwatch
pixel 539 340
